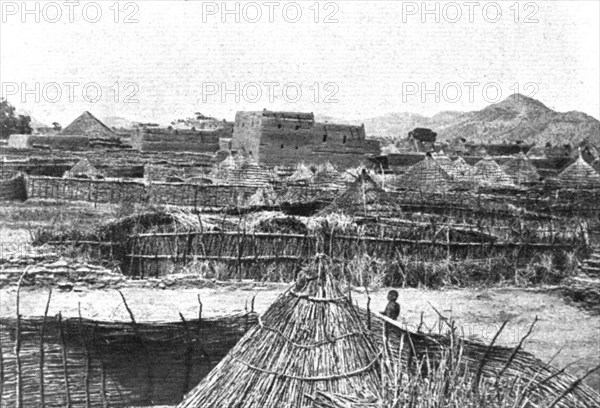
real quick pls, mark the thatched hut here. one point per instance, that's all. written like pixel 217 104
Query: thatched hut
pixel 302 174
pixel 83 169
pixel 426 175
pixel 580 174
pixel 462 171
pixel 247 172
pixel 351 175
pixel 443 160
pixel 220 171
pixel 364 197
pixel 488 172
pixel 264 196
pixel 521 169
pixel 310 340
pixel 328 178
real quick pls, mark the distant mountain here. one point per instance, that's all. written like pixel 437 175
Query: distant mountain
pixel 516 118
pixel 117 122
pixel 390 126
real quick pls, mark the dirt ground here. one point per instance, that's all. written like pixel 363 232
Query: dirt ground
pixel 478 313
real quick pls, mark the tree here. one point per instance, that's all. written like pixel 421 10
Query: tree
pixel 11 123
pixel 56 126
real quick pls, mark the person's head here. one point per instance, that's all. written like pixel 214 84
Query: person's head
pixel 392 295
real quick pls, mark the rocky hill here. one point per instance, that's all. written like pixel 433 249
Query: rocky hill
pixel 516 118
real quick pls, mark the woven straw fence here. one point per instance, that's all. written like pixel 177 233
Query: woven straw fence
pixel 155 254
pixel 86 363
pixel 13 189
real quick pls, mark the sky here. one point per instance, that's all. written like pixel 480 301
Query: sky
pixel 162 60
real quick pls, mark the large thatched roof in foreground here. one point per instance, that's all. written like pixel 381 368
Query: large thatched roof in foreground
pixel 311 339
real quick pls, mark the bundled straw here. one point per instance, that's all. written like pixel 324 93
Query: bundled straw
pixel 310 339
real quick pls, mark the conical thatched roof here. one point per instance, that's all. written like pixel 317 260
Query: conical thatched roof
pixel 263 196
pixel 241 170
pixel 311 339
pixel 328 178
pixel 443 160
pixel 488 172
pixel 302 173
pixel 249 173
pixel 83 168
pixel 426 175
pixel 521 169
pixel 580 174
pixel 351 175
pixel 87 125
pixel 364 197
pixel 462 171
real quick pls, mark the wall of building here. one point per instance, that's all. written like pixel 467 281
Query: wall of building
pixel 178 140
pixel 286 140
pixel 58 142
pixel 247 132
pixel 19 141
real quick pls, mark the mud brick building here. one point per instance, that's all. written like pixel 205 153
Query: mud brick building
pixel 287 138
pixel 158 139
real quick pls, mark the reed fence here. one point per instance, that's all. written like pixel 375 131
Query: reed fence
pixel 13 189
pixel 485 361
pixel 56 362
pixel 109 191
pixel 155 254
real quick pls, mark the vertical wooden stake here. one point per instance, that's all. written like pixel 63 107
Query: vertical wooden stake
pixel 42 352
pixel 63 344
pixel 86 354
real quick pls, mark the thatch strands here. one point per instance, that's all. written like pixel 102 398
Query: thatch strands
pixel 521 169
pixel 546 384
pixel 241 171
pixel 301 174
pixel 444 161
pixel 311 339
pixel 84 169
pixel 328 178
pixel 351 175
pixel 488 173
pixel 426 175
pixel 363 197
pixel 80 363
pixel 580 174
pixel 462 171
pixel 248 172
pixel 220 171
pixel 264 196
